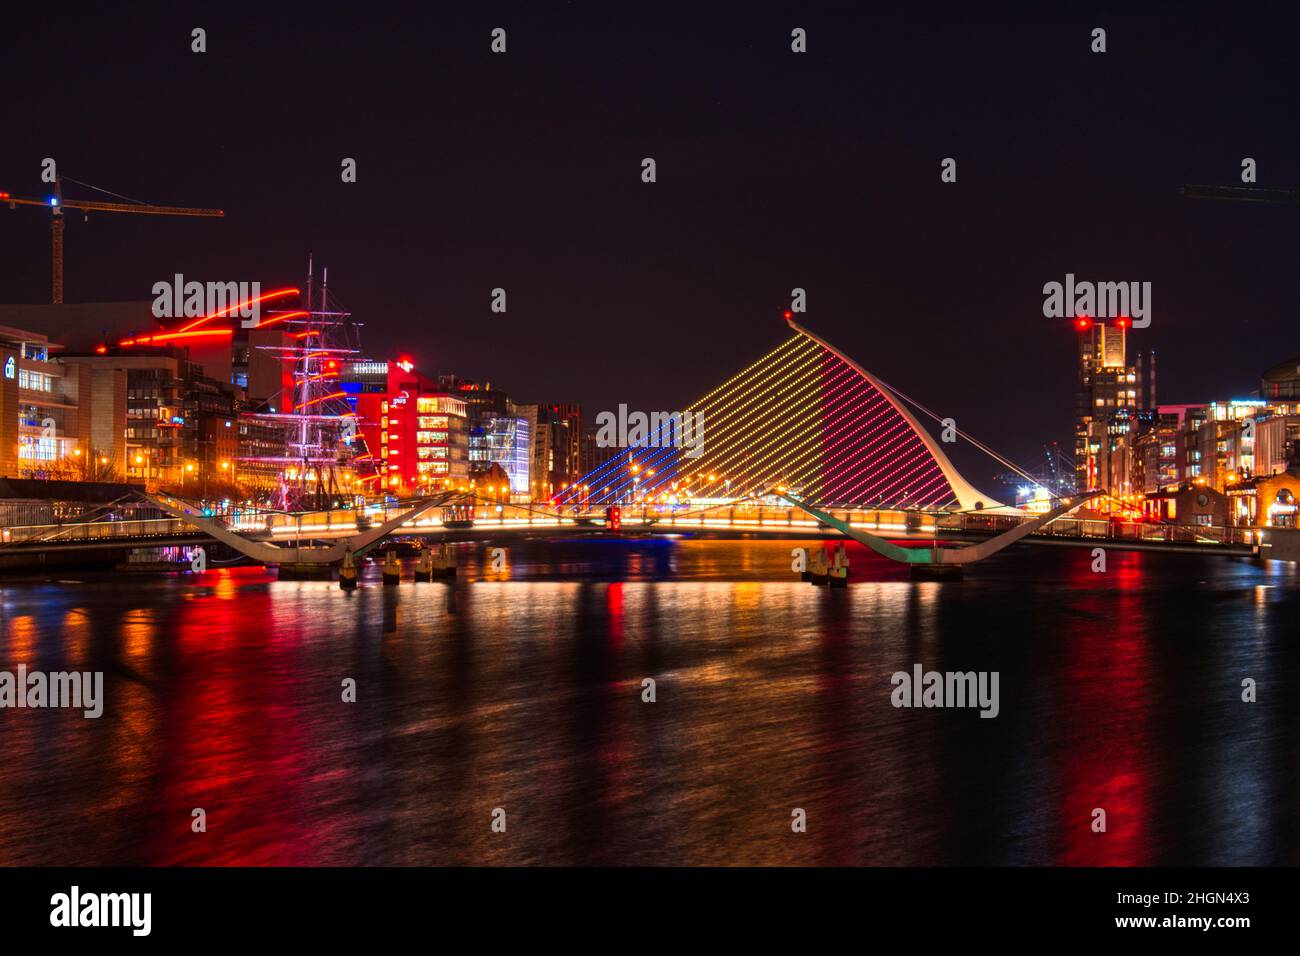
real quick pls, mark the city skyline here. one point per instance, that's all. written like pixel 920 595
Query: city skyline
pixel 416 257
pixel 740 439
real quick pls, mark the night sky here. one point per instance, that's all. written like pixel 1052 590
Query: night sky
pixel 775 170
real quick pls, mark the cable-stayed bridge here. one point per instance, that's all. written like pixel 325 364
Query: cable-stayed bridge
pixel 804 418
pixel 803 441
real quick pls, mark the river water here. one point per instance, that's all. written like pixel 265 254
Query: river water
pixel 520 690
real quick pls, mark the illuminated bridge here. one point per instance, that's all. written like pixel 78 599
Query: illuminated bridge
pixel 802 442
pixel 804 418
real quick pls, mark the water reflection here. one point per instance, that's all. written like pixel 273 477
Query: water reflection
pixel 522 690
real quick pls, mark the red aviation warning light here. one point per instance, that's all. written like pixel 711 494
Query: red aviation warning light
pixel 1122 322
pixel 1082 323
pixel 788 315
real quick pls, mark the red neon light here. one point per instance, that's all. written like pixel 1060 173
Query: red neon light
pixel 280 318
pixel 323 398
pixel 277 294
pixel 171 336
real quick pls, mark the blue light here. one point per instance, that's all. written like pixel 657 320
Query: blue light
pixel 54 200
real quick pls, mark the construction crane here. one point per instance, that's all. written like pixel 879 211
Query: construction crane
pixel 56 204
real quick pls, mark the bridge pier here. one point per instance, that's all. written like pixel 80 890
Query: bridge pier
pixel 305 571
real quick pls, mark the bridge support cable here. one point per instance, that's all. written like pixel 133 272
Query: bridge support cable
pixel 803 417
pixel 966 435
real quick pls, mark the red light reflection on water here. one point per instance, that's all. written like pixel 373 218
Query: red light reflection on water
pixel 1104 764
pixel 614 599
pixel 232 735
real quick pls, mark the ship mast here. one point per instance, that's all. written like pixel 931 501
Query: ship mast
pixel 315 341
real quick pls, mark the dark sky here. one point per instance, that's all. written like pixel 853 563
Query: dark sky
pixel 775 170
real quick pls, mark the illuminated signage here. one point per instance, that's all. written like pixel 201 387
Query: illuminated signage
pixel 10 367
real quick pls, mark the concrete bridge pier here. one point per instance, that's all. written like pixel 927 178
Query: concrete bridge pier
pixel 304 571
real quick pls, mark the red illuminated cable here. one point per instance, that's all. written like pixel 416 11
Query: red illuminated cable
pixel 885 456
pixel 869 478
pixel 888 431
pixel 892 474
pixel 919 467
pixel 277 294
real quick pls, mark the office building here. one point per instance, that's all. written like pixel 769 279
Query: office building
pixel 417 432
